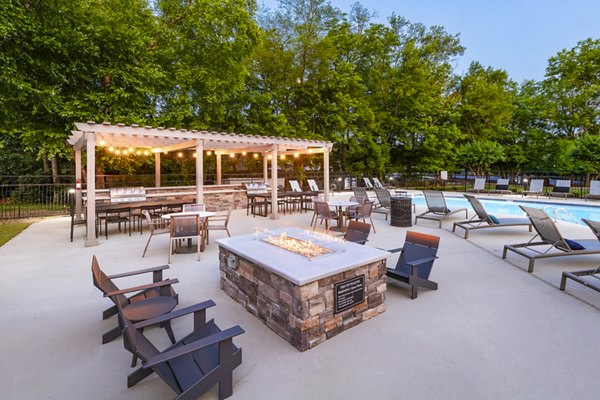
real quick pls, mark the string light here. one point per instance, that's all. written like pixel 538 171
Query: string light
pixel 244 153
pixel 195 155
pixel 102 142
pixel 255 155
pixel 138 152
pixel 282 157
pixel 146 152
pixel 124 152
pixel 111 149
pixel 180 154
pixel 296 155
pixel 208 153
pixel 130 149
pixel 117 151
pixel 231 155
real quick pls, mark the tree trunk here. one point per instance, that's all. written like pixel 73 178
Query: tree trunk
pixel 55 178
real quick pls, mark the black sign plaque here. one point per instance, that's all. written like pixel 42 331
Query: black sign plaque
pixel 348 293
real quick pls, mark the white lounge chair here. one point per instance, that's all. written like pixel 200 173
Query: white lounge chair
pixel 478 186
pixel 502 187
pixel 536 187
pixel 377 183
pixel 295 186
pixel 368 183
pixel 594 191
pixel 562 188
pixel 312 184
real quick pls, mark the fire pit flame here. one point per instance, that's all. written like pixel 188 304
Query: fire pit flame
pixel 304 248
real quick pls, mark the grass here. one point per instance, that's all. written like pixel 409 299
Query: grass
pixel 10 230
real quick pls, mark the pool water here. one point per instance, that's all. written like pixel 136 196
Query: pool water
pixel 511 207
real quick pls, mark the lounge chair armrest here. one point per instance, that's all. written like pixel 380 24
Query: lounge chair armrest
pixel 139 272
pixel 197 345
pixel 175 314
pixel 420 261
pixel 139 288
pixel 399 249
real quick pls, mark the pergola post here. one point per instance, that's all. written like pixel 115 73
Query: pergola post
pixel 265 167
pixel 200 172
pixel 218 154
pixel 326 173
pixel 157 169
pixel 78 196
pixel 274 189
pixel 91 240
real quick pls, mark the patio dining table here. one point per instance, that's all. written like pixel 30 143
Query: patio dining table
pixel 340 205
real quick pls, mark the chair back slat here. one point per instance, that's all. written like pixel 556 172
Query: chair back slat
pixel 360 192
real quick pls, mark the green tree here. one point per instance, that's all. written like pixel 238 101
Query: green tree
pixel 572 86
pixel 478 156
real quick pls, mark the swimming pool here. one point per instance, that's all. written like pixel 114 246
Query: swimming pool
pixel 511 207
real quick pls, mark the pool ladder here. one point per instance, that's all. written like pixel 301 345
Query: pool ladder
pixel 561 214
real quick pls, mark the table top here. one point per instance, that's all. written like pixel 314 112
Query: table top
pixel 201 214
pixel 342 203
pixel 296 268
pixel 149 308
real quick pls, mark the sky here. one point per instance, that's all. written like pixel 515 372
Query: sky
pixel 518 36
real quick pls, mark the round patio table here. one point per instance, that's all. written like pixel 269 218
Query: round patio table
pixel 339 205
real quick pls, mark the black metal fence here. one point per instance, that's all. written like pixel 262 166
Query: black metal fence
pixel 40 196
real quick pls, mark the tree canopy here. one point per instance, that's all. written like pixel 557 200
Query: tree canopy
pixel 385 94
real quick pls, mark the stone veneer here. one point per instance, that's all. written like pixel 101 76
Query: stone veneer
pixel 302 315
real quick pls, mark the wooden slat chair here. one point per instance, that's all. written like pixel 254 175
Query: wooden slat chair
pixel 146 301
pixel 192 365
pixel 416 261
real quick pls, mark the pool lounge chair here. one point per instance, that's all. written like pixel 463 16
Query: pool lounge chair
pixel 594 193
pixel 562 188
pixel 536 187
pixel 377 183
pixel 550 237
pixel 478 186
pixel 502 187
pixel 312 184
pixel 437 209
pixel 368 183
pixel 483 220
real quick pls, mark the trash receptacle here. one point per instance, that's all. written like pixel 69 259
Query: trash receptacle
pixel 401 211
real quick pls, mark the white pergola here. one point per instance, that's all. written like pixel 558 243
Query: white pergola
pixel 160 140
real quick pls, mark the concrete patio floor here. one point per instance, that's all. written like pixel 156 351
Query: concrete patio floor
pixel 491 331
